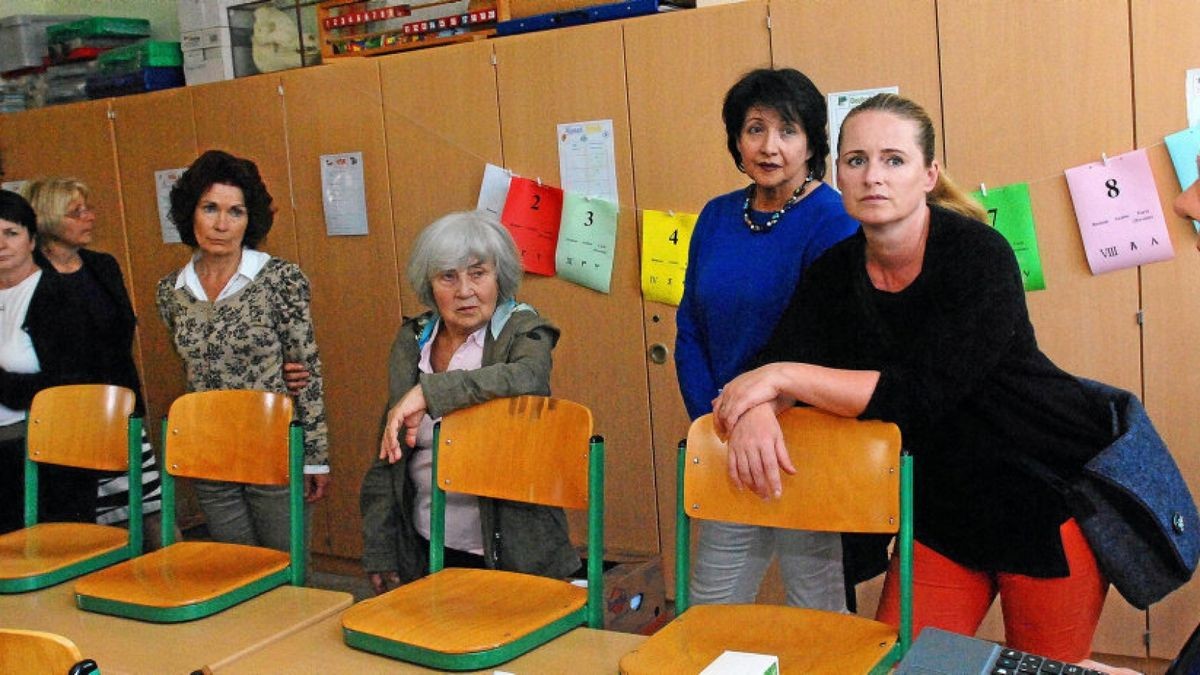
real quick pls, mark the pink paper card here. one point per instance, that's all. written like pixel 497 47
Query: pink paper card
pixel 532 214
pixel 1120 217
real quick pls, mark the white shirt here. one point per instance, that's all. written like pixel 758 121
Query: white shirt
pixel 464 531
pixel 251 264
pixel 16 348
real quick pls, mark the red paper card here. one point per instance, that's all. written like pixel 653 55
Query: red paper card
pixel 532 214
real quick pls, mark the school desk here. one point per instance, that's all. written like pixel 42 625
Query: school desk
pixel 319 649
pixel 127 646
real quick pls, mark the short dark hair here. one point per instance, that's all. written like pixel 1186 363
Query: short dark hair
pixel 788 92
pixel 217 167
pixel 15 209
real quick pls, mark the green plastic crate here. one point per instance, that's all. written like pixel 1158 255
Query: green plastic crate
pixel 144 54
pixel 98 27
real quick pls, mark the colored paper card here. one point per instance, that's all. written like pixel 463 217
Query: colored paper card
pixel 532 214
pixel 163 182
pixel 1184 147
pixel 1120 218
pixel 587 162
pixel 587 240
pixel 665 241
pixel 1011 213
pixel 494 190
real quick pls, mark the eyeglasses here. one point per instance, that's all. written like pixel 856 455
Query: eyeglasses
pixel 76 214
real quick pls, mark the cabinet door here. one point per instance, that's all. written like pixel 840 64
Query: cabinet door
pixel 1024 98
pixel 355 302
pixel 437 153
pixel 577 75
pixel 153 133
pixel 1162 56
pixel 680 161
pixel 244 117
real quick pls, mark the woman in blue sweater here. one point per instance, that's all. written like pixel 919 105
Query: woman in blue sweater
pixel 748 252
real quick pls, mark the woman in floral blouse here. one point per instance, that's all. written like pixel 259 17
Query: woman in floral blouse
pixel 239 319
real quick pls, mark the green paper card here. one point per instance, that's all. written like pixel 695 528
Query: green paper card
pixel 587 240
pixel 1011 213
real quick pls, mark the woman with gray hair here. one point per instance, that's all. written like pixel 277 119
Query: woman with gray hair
pixel 477 343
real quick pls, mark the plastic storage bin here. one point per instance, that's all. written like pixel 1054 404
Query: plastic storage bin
pixel 144 54
pixel 23 39
pixel 86 38
pixel 151 78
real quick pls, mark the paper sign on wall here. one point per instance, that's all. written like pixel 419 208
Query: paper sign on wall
pixel 1184 146
pixel 665 241
pixel 343 194
pixel 493 191
pixel 532 214
pixel 1011 213
pixel 163 182
pixel 14 185
pixel 1193 97
pixel 586 241
pixel 586 159
pixel 1119 214
pixel 840 103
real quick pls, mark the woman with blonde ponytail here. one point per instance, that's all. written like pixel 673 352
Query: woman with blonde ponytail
pixel 920 319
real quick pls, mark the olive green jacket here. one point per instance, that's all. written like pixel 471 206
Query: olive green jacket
pixel 516 537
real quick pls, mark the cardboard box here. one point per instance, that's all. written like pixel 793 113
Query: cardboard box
pixel 635 599
pixel 200 14
pixel 212 54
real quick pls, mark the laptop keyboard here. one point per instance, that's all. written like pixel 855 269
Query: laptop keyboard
pixel 1015 662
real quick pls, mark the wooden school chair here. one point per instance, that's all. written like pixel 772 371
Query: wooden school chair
pixel 32 652
pixel 233 435
pixel 529 449
pixel 851 476
pixel 87 426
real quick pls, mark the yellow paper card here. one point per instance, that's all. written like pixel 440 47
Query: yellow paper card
pixel 665 240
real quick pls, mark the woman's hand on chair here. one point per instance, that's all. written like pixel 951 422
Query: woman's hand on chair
pixel 316 486
pixel 757 452
pixel 408 413
pixel 743 393
pixel 382 582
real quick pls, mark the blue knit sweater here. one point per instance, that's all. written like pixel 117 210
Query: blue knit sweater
pixel 738 283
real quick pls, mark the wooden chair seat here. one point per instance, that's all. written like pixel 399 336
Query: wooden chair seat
pixel 47 547
pixel 182 574
pixel 459 611
pixel 30 651
pixel 805 640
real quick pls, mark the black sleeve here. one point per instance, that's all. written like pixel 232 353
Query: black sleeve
pixel 55 324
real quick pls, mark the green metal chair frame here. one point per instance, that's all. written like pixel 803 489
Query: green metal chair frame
pixel 293 574
pixel 134 545
pixel 591 614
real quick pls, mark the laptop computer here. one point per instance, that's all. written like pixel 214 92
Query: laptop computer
pixel 938 652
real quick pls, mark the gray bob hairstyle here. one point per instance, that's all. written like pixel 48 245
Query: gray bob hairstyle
pixel 460 239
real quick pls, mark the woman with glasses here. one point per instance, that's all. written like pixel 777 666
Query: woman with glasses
pixel 66 224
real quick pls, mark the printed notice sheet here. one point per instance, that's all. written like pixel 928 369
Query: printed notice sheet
pixel 1011 213
pixel 1120 217
pixel 586 159
pixel 1193 97
pixel 587 239
pixel 840 104
pixel 163 182
pixel 343 194
pixel 493 191
pixel 532 215
pixel 13 185
pixel 665 240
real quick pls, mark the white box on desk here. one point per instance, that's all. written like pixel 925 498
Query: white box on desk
pixel 743 663
pixel 199 14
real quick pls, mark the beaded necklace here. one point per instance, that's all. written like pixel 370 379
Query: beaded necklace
pixel 774 218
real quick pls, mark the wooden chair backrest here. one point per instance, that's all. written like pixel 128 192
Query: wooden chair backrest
pixel 527 448
pixel 231 435
pixel 81 425
pixel 35 652
pixel 847 476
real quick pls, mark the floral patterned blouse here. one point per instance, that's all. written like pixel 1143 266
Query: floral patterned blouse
pixel 242 342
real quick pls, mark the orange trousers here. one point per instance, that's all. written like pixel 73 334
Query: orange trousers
pixel 1051 617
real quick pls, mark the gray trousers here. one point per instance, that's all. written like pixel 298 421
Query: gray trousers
pixel 732 558
pixel 255 515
